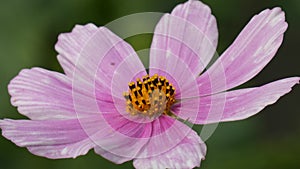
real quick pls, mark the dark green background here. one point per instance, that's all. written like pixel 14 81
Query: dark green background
pixel 269 140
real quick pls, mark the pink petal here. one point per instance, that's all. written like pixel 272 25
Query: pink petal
pixel 119 139
pixel 51 138
pixel 103 57
pixel 127 140
pixel 144 140
pixel 248 55
pixel 243 103
pixel 187 154
pixel 42 94
pixel 110 156
pixel 166 134
pixel 179 74
pixel 190 33
pixel 123 144
pixel 105 66
pixel 69 46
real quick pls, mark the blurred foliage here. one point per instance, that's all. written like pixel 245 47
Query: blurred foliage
pixel 28 33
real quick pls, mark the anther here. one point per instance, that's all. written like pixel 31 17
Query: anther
pixel 130 98
pixel 152 87
pixel 172 90
pixel 146 85
pixel 159 86
pixel 140 92
pixel 162 80
pixel 135 93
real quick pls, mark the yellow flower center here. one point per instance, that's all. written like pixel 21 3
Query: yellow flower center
pixel 151 97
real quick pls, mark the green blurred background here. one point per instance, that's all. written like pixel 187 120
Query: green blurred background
pixel 269 140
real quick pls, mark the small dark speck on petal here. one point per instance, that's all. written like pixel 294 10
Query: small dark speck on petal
pixel 112 63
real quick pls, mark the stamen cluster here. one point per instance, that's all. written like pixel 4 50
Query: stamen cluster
pixel 151 96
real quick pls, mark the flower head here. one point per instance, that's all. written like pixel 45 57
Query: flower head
pixel 106 100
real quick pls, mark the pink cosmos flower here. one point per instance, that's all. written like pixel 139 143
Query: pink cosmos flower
pixel 106 101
